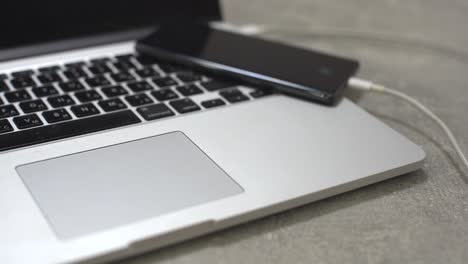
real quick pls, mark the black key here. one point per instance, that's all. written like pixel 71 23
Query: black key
pixel 67 129
pixel 60 101
pixel 71 86
pixel 84 110
pixel 8 111
pixel 233 95
pixel 75 65
pixel 1 101
pixel 47 78
pixel 213 103
pixel 138 99
pixel 146 60
pixel 99 69
pixel 22 82
pixel 189 77
pixel 75 73
pixel 147 72
pixel 88 96
pixel 97 61
pixel 98 81
pixel 3 76
pixel 27 121
pixel 217 85
pixel 49 69
pixel 167 68
pixel 113 91
pixel 122 77
pixel 124 65
pixel 44 91
pixel 25 73
pixel 55 116
pixel 3 87
pixel 17 96
pixel 140 86
pixel 164 82
pixel 5 126
pixel 189 90
pixel 260 93
pixel 185 106
pixel 125 57
pixel 157 111
pixel 164 94
pixel 33 106
pixel 112 105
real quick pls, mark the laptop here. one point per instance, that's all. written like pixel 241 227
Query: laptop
pixel 106 154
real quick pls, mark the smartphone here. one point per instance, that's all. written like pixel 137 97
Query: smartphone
pixel 265 64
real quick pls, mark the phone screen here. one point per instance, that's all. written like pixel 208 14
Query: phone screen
pixel 251 56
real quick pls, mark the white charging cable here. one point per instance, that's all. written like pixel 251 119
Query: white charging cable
pixel 368 86
pixel 365 85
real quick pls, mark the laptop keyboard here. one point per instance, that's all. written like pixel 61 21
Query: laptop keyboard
pixel 62 101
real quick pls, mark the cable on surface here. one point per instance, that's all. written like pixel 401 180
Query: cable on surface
pixel 364 85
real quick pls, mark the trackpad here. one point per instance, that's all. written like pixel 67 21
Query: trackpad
pixel 117 185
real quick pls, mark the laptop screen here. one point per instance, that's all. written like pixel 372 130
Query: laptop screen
pixel 27 23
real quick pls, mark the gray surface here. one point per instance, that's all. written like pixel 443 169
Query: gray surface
pixel 98 194
pixel 421 217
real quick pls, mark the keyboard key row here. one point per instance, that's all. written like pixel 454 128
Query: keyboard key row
pixel 75 70
pixel 63 130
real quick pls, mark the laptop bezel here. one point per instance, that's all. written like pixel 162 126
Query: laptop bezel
pixel 93 39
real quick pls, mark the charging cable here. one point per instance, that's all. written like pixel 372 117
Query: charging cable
pixel 364 85
pixel 368 86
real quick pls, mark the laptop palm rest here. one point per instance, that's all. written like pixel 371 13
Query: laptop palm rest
pixel 121 184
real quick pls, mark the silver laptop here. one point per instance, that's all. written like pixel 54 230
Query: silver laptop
pixel 106 154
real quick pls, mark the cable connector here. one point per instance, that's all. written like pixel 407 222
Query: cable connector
pixel 365 85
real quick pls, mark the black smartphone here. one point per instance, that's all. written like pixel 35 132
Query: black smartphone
pixel 291 70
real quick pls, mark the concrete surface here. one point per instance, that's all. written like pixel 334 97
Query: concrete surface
pixel 421 217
